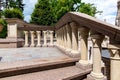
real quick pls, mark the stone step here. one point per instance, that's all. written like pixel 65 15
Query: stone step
pixel 12 69
pixel 64 73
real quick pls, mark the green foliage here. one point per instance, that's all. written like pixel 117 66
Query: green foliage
pixel 42 14
pixel 63 6
pixel 13 13
pixel 15 4
pixel 3 33
pixel 88 8
pixel 48 12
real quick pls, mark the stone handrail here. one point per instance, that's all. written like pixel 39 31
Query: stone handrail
pixel 90 22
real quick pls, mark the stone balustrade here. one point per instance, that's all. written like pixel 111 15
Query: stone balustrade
pixel 67 40
pixel 36 40
pixel 90 30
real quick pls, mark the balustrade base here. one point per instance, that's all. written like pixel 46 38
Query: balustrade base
pixel 26 45
pixel 74 55
pixel 44 45
pixel 51 45
pixel 84 66
pixel 32 45
pixel 96 77
pixel 68 50
pixel 39 46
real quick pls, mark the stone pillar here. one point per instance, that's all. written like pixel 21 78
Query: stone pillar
pixel 63 40
pixel 51 38
pixel 12 31
pixel 32 39
pixel 83 62
pixel 26 39
pixel 96 73
pixel 60 38
pixel 65 37
pixel 74 28
pixel 45 38
pixel 38 38
pixel 69 38
pixel 115 61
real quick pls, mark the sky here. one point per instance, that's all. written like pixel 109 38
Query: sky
pixel 109 8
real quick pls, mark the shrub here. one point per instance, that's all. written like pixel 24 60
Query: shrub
pixel 13 13
pixel 3 33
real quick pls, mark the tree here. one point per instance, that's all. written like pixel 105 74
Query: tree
pixel 42 14
pixel 3 33
pixel 14 9
pixel 48 12
pixel 63 6
pixel 13 13
pixel 89 9
pixel 15 4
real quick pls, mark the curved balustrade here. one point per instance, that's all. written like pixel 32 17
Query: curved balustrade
pixel 67 29
pixel 75 31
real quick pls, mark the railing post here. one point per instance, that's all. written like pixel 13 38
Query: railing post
pixel 38 38
pixel 74 28
pixel 69 38
pixel 45 38
pixel 65 38
pixel 96 73
pixel 32 39
pixel 83 62
pixel 51 38
pixel 26 39
pixel 115 61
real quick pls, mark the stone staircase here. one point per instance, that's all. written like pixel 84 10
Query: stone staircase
pixel 63 69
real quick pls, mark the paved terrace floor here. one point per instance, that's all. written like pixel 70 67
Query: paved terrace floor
pixel 16 58
pixel 22 54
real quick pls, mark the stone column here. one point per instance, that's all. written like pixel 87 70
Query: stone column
pixel 69 38
pixel 65 37
pixel 96 73
pixel 45 38
pixel 83 62
pixel 60 38
pixel 26 39
pixel 63 40
pixel 74 28
pixel 38 38
pixel 115 61
pixel 51 38
pixel 32 39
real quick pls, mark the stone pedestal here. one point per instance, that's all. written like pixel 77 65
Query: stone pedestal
pixel 84 65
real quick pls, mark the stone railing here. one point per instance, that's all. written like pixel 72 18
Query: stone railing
pixel 67 29
pixel 31 35
pixel 46 34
